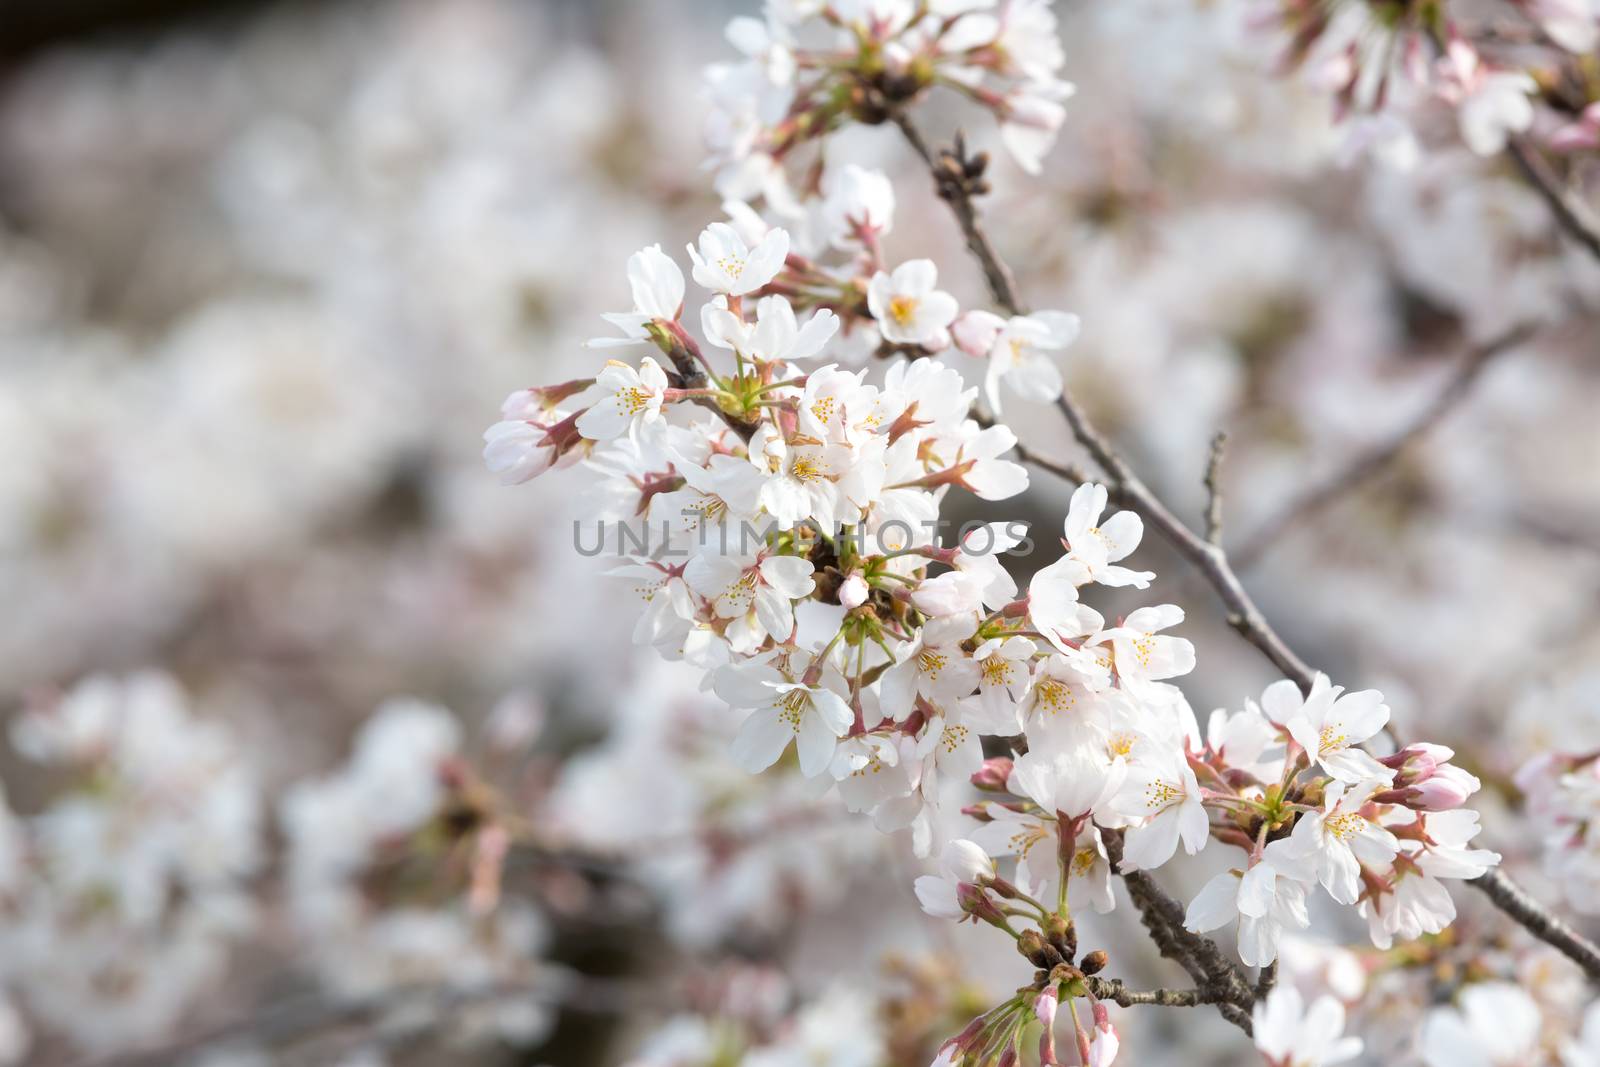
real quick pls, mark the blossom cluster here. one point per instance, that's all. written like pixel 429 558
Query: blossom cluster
pixel 811 589
pixel 811 66
pixel 125 894
pixel 313 462
pixel 1563 794
pixel 1388 65
pixel 394 868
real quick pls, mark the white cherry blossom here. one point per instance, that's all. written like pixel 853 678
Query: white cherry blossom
pixel 908 308
pixel 724 264
pixel 813 717
pixel 1288 1034
pixel 657 286
pixel 1099 545
pixel 1162 792
pixel 629 398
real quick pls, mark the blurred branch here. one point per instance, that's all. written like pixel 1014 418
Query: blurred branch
pixel 1164 917
pixel 1219 444
pixel 1363 467
pixel 1571 214
pixel 1515 902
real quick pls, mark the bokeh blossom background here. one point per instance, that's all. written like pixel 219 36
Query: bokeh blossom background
pixel 266 270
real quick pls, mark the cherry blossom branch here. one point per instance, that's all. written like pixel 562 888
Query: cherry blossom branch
pixel 1363 467
pixel 1163 916
pixel 1514 901
pixel 1208 558
pixel 1243 615
pixel 1571 215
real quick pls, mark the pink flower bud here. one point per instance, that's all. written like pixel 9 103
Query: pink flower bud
pixel 1044 1006
pixel 1103 1049
pixel 975 902
pixel 1044 1009
pixel 1414 763
pixel 992 776
pixel 1575 137
pixel 533 405
pixel 853 591
pixel 1449 787
pixel 975 331
pixel 958 1045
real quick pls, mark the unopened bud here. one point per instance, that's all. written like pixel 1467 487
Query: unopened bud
pixel 963 1041
pixel 1094 963
pixel 992 776
pixel 975 332
pixel 1044 1009
pixel 966 861
pixel 533 405
pixel 975 902
pixel 1103 1049
pixel 1448 788
pixel 1414 763
pixel 853 591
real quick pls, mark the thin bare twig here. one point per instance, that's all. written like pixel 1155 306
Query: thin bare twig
pixel 1214 974
pixel 1209 559
pixel 955 190
pixel 1114 990
pixel 1515 902
pixel 1212 562
pixel 1219 445
pixel 1570 213
pixel 1366 465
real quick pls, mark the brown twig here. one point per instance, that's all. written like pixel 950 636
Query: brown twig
pixel 1571 215
pixel 956 190
pixel 1209 559
pixel 1214 974
pixel 1515 902
pixel 1363 467
pixel 1114 990
pixel 1212 562
pixel 1213 481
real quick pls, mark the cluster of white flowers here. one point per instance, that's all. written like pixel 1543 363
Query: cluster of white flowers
pixel 803 572
pixel 1563 796
pixel 394 866
pixel 1385 65
pixel 812 65
pixel 443 171
pixel 122 897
